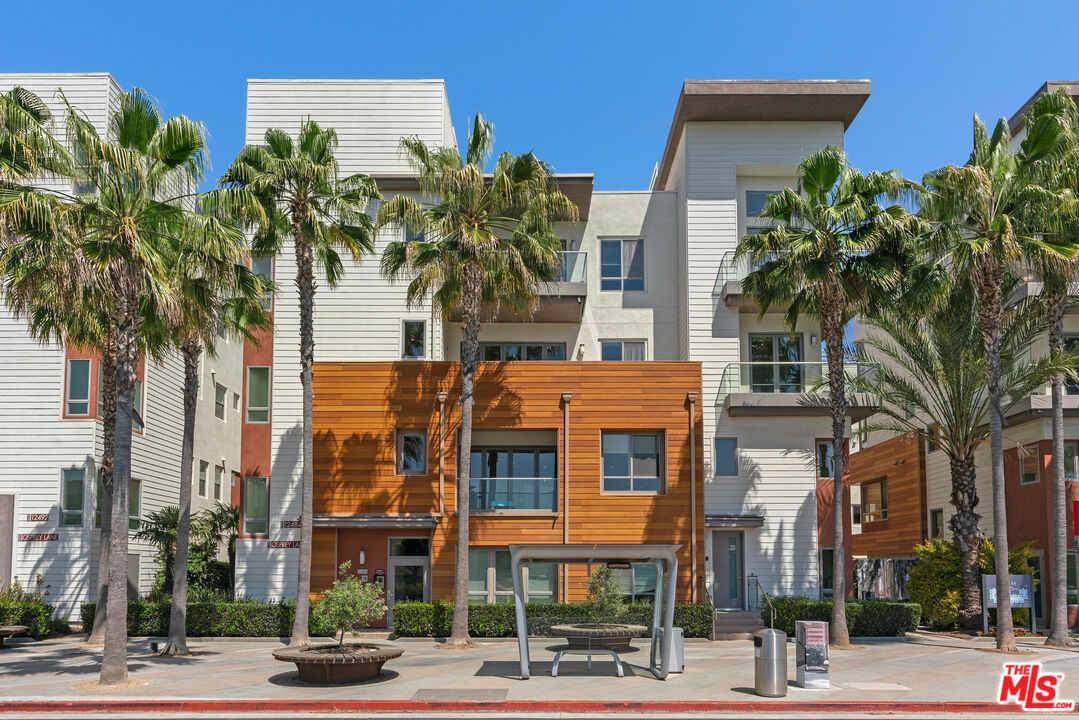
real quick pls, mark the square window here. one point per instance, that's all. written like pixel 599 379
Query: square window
pixel 258 394
pixel 1028 462
pixel 255 506
pixel 726 456
pixel 622 264
pixel 78 387
pixel 414 339
pixel 631 463
pixel 71 496
pixel 411 453
pixel 610 350
pixel 756 200
pixel 219 402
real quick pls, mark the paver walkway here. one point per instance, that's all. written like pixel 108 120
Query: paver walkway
pixel 923 667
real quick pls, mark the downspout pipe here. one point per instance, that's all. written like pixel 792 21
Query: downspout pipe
pixel 441 453
pixel 691 399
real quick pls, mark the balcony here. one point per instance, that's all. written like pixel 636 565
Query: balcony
pixel 749 389
pixel 560 301
pixel 513 494
pixel 728 284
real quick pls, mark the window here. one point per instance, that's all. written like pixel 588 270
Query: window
pixel 621 264
pixel 726 456
pixel 510 352
pixel 410 547
pixel 827 557
pixel 629 350
pixel 638 582
pixel 263 265
pixel 513 478
pixel 413 235
pixel 100 391
pixel 932 438
pixel 825 460
pixel 413 339
pixel 71 493
pixel 490 578
pixel 1028 464
pixel 258 394
pixel 255 506
pixel 411 452
pixel 631 463
pixel 134 503
pixel 78 388
pixel 136 423
pixel 235 401
pixel 775 363
pixel 204 468
pixel 1073 590
pixel 755 201
pixel 874 501
pixel 219 478
pixel 1071 387
pixel 219 402
pixel 936 523
pixel 1071 450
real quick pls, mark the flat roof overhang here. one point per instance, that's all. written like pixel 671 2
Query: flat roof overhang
pixel 1015 122
pixel 859 405
pixel 733 521
pixel 761 101
pixel 372 520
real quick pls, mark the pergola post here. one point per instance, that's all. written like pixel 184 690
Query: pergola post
pixel 517 571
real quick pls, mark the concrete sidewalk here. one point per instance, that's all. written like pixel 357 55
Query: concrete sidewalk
pixel 921 668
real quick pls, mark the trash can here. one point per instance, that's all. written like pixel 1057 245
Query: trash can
pixel 770 663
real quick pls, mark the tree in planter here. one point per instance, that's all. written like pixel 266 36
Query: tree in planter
pixel 304 201
pixel 932 372
pixel 832 248
pixel 482 241
pixel 605 596
pixel 349 604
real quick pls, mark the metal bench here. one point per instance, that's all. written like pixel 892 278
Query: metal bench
pixel 7 631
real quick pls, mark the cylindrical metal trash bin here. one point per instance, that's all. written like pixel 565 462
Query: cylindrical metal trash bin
pixel 770 663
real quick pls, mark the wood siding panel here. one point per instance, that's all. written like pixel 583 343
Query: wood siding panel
pixel 901 463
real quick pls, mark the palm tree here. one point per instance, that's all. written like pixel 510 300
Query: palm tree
pixel 828 253
pixel 983 230
pixel 305 201
pixel 933 372
pixel 484 240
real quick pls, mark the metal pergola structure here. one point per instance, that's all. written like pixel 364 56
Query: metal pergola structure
pixel 664 557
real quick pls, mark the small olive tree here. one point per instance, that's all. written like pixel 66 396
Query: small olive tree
pixel 349 604
pixel 604 595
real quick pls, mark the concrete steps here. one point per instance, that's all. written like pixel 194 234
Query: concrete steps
pixel 735 625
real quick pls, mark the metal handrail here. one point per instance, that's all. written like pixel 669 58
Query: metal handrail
pixel 758 593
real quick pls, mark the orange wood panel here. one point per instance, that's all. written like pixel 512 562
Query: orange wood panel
pixel 900 462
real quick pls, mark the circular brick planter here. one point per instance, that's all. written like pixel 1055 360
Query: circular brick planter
pixel 606 636
pixel 323 664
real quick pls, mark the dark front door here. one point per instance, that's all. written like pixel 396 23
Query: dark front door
pixel 727 570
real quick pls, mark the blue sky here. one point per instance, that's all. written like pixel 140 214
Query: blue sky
pixel 591 86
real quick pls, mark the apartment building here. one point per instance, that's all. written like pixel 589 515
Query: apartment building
pixel 51 432
pixel 646 344
pixel 904 485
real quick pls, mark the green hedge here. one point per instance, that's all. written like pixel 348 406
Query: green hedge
pixel 416 619
pixel 865 618
pixel 243 618
pixel 36 616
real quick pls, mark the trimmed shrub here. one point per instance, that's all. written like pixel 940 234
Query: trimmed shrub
pixel 865 618
pixel 36 616
pixel 242 618
pixel 416 619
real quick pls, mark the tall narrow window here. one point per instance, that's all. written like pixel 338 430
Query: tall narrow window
pixel 874 501
pixel 258 394
pixel 622 264
pixel 825 460
pixel 78 387
pixel 219 402
pixel 100 391
pixel 219 479
pixel 414 339
pixel 726 456
pixel 255 506
pixel 263 265
pixel 411 452
pixel 71 494
pixel 1028 462
pixel 1071 450
pixel 936 523
pixel 134 503
pixel 204 469
pixel 827 558
pixel 136 423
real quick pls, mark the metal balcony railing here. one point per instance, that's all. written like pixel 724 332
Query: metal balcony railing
pixel 784 377
pixel 519 493
pixel 574 266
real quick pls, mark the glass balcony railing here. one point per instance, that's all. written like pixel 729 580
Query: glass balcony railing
pixel 518 493
pixel 785 377
pixel 574 266
pixel 735 268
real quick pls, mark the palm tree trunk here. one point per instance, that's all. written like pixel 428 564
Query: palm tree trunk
pixel 177 641
pixel 967 536
pixel 990 275
pixel 470 332
pixel 114 657
pixel 305 283
pixel 1058 623
pixel 104 500
pixel 832 330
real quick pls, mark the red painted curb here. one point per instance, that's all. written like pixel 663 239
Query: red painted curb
pixel 536 706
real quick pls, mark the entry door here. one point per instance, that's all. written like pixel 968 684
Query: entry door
pixel 7 538
pixel 727 569
pixel 408 579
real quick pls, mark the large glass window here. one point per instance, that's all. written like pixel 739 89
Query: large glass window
pixel 512 351
pixel 490 578
pixel 411 452
pixel 71 494
pixel 726 456
pixel 78 388
pixel 628 350
pixel 414 339
pixel 255 506
pixel 513 478
pixel 258 394
pixel 1029 460
pixel 638 582
pixel 775 363
pixel 631 463
pixel 263 265
pixel 622 264
pixel 874 501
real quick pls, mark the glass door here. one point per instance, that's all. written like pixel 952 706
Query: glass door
pixel 776 364
pixel 408 573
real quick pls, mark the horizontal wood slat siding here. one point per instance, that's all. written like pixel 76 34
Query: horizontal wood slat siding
pixel 901 463
pixel 358 407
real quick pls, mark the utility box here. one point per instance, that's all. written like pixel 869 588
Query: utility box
pixel 678 652
pixel 770 663
pixel 811 640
